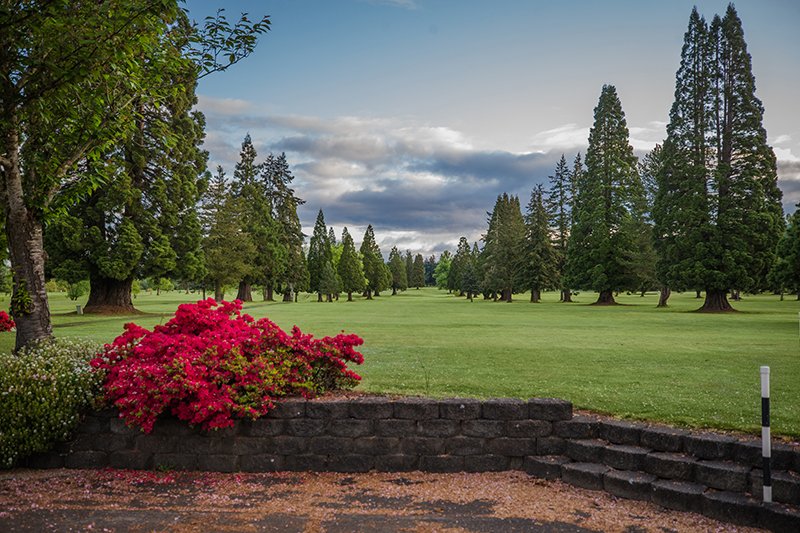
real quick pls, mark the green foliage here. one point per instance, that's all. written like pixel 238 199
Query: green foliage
pixel 21 302
pixel 417 272
pixel 442 271
pixel 374 269
pixel 608 199
pixel 397 266
pixel 44 388
pixel 502 249
pixel 319 253
pixel 785 273
pixel 329 283
pixel 350 269
pixel 539 258
pixel 77 290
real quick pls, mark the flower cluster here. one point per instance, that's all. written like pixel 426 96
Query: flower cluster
pixel 6 323
pixel 210 364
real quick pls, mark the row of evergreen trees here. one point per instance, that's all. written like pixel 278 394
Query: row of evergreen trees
pixel 700 212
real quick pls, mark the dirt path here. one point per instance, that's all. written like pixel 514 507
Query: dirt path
pixel 114 500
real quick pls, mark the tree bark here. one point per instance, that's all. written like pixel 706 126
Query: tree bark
pixel 329 298
pixel 536 295
pixel 566 295
pixel 394 291
pixel 218 294
pixel 108 296
pixel 606 297
pixel 349 296
pixel 697 294
pixel 245 293
pixel 506 295
pixel 319 297
pixel 736 296
pixel 269 295
pixel 716 302
pixel 368 294
pixel 663 296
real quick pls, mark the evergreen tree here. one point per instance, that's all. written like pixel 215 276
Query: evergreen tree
pixel 785 273
pixel 457 265
pixel 319 253
pixel 654 270
pixel 430 268
pixel 418 272
pixel 558 204
pixel 539 266
pixel 602 246
pixel 442 271
pixel 374 269
pixel 501 252
pixel 329 284
pixel 397 266
pixel 351 271
pixel 469 280
pixel 294 276
pixel 409 267
pixel 717 212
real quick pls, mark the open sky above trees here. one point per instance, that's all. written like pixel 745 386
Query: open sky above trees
pixel 412 115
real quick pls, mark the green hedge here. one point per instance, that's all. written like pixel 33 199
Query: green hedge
pixel 43 391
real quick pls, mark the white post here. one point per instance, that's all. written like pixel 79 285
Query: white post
pixel 766 441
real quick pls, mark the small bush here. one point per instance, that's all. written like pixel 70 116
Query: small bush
pixel 210 363
pixel 77 290
pixel 44 388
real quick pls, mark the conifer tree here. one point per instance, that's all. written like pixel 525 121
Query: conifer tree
pixel 785 273
pixel 442 271
pixel 319 253
pixel 329 284
pixel 295 277
pixel 418 272
pixel 374 269
pixel 558 204
pixel 430 268
pixel 459 262
pixel 409 259
pixel 501 252
pixel 397 266
pixel 351 271
pixel 539 267
pixel 602 246
pixel 717 212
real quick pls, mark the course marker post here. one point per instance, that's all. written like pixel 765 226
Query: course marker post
pixel 766 442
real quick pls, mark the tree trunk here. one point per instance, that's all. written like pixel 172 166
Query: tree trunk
pixel 606 297
pixel 507 295
pixel 394 291
pixel 663 296
pixel 716 302
pixel 536 295
pixel 781 294
pixel 376 294
pixel 642 293
pixel 566 296
pixel 349 296
pixel 368 294
pixel 736 296
pixel 697 294
pixel 319 297
pixel 219 295
pixel 108 296
pixel 329 298
pixel 245 293
pixel 287 295
pixel 269 295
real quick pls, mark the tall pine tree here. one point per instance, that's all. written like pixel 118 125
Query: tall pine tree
pixel 602 246
pixel 374 269
pixel 539 258
pixel 501 256
pixel 397 266
pixel 559 207
pixel 319 254
pixel 351 271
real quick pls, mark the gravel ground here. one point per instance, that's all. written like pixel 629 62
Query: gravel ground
pixel 119 500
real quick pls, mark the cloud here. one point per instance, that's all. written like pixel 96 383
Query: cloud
pixel 782 139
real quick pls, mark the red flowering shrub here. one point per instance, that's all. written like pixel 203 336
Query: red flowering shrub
pixel 210 363
pixel 6 323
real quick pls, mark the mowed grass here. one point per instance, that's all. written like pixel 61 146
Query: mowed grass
pixel 633 360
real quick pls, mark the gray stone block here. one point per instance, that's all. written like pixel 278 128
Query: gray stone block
pixel 85 441
pixel 371 408
pixel 327 409
pixel 486 463
pixel 396 463
pixel 264 427
pixel 722 475
pixel 288 408
pixel 305 463
pixel 504 409
pixel 164 426
pixel 511 447
pixel 153 443
pixel 111 442
pixel 550 445
pixel 438 428
pixel 624 457
pixel 662 438
pixel 86 459
pixel 253 445
pixel 731 507
pixel 709 446
pixel 202 444
pixel 375 445
pixel 785 486
pixel 130 460
pixel 621 431
pixel 305 427
pixel 283 445
pixel 678 495
pixel 351 427
pixel 44 460
pixel 118 426
pixel 631 485
pixel 586 475
pixel 545 466
pixel 422 446
pixel 350 463
pixel 585 450
pixel 261 463
pixel 175 461
pixel 325 445
pixel 392 427
pixel 217 462
pixel 580 427
pixel 441 463
pixel 483 428
pixel 784 456
pixel 465 446
pixel 95 424
pixel 416 408
pixel 670 466
pixel 748 453
pixel 529 428
pixel 779 518
pixel 460 408
pixel 552 409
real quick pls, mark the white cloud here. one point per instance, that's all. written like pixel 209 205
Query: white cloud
pixel 564 137
pixel 781 139
pixel 223 106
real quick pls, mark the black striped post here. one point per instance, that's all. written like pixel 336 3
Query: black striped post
pixel 766 442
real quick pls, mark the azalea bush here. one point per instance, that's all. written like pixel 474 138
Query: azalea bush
pixel 6 323
pixel 44 389
pixel 211 364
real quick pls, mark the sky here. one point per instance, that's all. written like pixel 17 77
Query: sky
pixel 413 115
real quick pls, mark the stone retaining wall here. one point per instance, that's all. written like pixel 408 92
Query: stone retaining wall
pixel 717 475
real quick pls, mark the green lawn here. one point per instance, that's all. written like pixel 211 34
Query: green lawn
pixel 633 360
